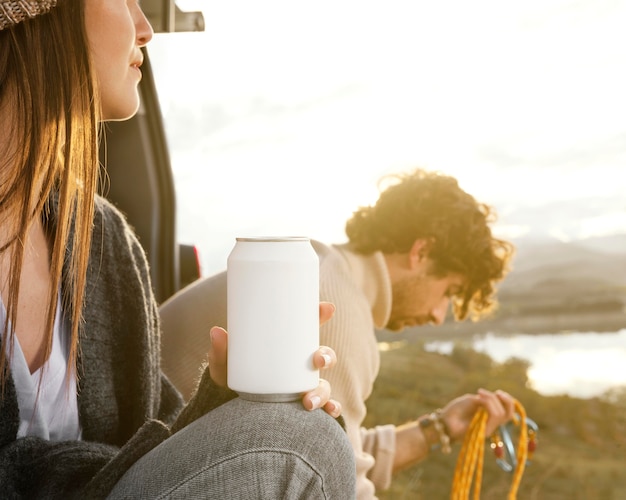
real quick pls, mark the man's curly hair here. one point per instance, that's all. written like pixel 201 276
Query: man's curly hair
pixel 431 206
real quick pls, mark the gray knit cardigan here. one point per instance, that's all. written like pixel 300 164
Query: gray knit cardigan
pixel 126 405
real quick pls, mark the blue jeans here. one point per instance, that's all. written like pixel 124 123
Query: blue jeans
pixel 248 450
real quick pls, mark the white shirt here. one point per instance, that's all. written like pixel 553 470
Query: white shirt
pixel 53 414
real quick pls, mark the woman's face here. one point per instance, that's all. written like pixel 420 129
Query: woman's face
pixel 116 30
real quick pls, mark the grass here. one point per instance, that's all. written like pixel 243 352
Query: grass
pixel 582 442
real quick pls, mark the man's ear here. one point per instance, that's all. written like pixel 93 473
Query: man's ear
pixel 419 252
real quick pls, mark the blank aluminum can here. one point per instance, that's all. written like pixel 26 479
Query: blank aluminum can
pixel 273 317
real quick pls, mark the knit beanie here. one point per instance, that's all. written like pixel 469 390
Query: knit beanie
pixel 15 11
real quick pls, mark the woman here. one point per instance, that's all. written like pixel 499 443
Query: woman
pixel 85 411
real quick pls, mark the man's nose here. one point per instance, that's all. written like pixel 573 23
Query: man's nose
pixel 438 313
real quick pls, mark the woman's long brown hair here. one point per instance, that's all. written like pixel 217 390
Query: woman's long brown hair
pixel 47 86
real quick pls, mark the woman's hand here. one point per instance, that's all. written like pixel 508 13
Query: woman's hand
pixel 323 358
pixel 458 414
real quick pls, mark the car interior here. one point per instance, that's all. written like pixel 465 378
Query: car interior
pixel 138 176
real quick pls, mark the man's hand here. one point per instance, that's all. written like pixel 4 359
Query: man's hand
pixel 459 412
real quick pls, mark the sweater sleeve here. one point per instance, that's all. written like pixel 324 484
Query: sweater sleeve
pixel 380 442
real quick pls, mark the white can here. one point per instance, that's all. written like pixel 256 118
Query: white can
pixel 273 318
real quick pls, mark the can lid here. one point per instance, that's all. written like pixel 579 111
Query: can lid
pixel 266 239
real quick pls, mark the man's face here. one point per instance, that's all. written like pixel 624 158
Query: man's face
pixel 421 297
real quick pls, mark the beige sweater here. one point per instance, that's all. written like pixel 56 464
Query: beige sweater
pixel 360 288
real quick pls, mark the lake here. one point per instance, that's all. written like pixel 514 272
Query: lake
pixel 580 364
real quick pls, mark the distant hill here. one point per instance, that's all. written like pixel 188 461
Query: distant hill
pixel 556 272
pixel 615 243
pixel 557 264
pixel 556 285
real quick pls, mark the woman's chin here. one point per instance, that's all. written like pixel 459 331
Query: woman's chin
pixel 120 112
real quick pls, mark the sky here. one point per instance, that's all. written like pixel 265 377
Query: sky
pixel 283 115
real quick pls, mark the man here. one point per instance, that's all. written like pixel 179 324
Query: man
pixel 424 245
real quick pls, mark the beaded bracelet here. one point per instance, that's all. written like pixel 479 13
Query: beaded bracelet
pixel 436 420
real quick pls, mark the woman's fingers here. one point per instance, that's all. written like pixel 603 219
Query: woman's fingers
pixel 327 309
pixel 217 355
pixel 333 408
pixel 318 397
pixel 324 357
